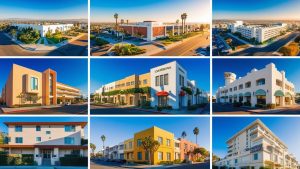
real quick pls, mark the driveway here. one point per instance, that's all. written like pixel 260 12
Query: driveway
pixel 71 109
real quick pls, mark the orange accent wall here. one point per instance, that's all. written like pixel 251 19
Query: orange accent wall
pixel 133 30
pixel 185 149
pixel 158 31
pixel 46 86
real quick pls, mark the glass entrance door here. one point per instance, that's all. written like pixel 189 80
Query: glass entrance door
pixel 46 153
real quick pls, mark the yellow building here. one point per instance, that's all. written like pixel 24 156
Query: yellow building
pixel 128 150
pixel 165 151
pixel 132 90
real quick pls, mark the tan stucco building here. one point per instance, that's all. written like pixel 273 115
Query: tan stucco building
pixel 27 86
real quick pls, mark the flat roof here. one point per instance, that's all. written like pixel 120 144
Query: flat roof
pixel 82 124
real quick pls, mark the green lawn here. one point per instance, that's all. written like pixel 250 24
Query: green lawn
pixel 175 38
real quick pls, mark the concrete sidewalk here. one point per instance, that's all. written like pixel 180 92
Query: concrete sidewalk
pixel 42 167
pixel 156 166
pixel 7 110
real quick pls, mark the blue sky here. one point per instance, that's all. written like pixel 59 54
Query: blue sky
pixel 162 10
pixel 118 129
pixel 72 72
pixel 283 127
pixel 256 9
pixel 242 66
pixel 3 127
pixel 104 71
pixel 38 9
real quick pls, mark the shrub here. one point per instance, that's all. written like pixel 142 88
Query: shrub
pixel 290 50
pixel 192 107
pixel 27 105
pixel 215 167
pixel 260 106
pixel 166 162
pixel 178 161
pixel 127 50
pixel 159 108
pixel 73 160
pixel 271 106
pixel 101 42
pixel 169 107
pixel 142 162
pixel 237 104
pixel 202 105
pixel 247 104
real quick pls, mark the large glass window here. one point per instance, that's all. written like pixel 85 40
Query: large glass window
pixel 248 85
pixel 140 155
pixel 69 128
pixel 69 140
pixel 181 80
pixel 260 82
pixel 18 128
pixel 161 79
pixel 34 83
pixel 166 79
pixel 160 140
pixel 255 156
pixel 168 156
pixel 51 85
pixel 160 156
pixel 157 81
pixel 19 139
pixel 139 142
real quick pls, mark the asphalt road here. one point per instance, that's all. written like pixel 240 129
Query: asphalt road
pixel 111 165
pixel 119 111
pixel 268 50
pixel 78 47
pixel 187 48
pixel 71 109
pixel 220 109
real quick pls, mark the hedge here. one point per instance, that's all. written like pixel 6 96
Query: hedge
pixel 73 161
pixel 22 159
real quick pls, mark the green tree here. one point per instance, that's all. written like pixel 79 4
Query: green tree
pixel 150 146
pixel 183 134
pixel 13 32
pixel 196 132
pixel 116 16
pixel 93 147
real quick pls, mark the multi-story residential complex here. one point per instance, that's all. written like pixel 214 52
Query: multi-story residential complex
pixel 165 85
pixel 261 33
pixel 27 86
pixel 47 141
pixel 170 148
pixel 265 86
pixel 115 153
pixel 147 30
pixel 44 29
pixel 257 146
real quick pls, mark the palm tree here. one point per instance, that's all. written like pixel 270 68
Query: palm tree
pixel 116 16
pixel 183 134
pixel 150 146
pixel 103 138
pixel 184 15
pixel 122 21
pixel 196 132
pixel 177 22
pixel 127 21
pixel 182 25
pixel 93 147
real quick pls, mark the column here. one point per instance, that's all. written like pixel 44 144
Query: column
pixel 81 153
pixel 37 157
pixel 55 156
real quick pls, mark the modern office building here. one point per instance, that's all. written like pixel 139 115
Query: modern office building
pixel 27 86
pixel 147 30
pixel 165 85
pixel 170 148
pixel 47 141
pixel 265 86
pixel 44 29
pixel 261 33
pixel 257 146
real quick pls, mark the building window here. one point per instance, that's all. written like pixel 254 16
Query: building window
pixel 161 79
pixel 48 132
pixel 241 86
pixel 160 140
pixel 69 140
pixel 139 142
pixel 168 156
pixel 38 139
pixel 168 142
pixel 69 128
pixel 157 81
pixel 177 145
pixel 130 145
pixel 260 82
pixel 34 83
pixel 37 128
pixel 140 155
pixel 255 156
pixel 235 88
pixel 279 83
pixel 160 156
pixel 18 128
pixel 230 89
pixel 19 139
pixel 248 85
pixel 145 81
pixel 181 80
pixel 235 161
pixel 166 79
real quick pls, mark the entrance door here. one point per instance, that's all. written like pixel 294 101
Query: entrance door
pixel 131 100
pixel 46 154
pixel 162 101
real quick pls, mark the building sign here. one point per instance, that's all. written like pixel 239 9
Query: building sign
pixel 255 148
pixel 162 69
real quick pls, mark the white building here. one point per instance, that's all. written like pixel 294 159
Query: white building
pixel 115 152
pixel 261 33
pixel 257 146
pixel 43 29
pixel 265 86
pixel 168 84
pixel 47 141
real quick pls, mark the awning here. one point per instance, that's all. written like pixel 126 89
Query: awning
pixel 288 94
pixel 162 93
pixel 247 94
pixel 279 93
pixel 181 93
pixel 241 95
pixel 260 92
